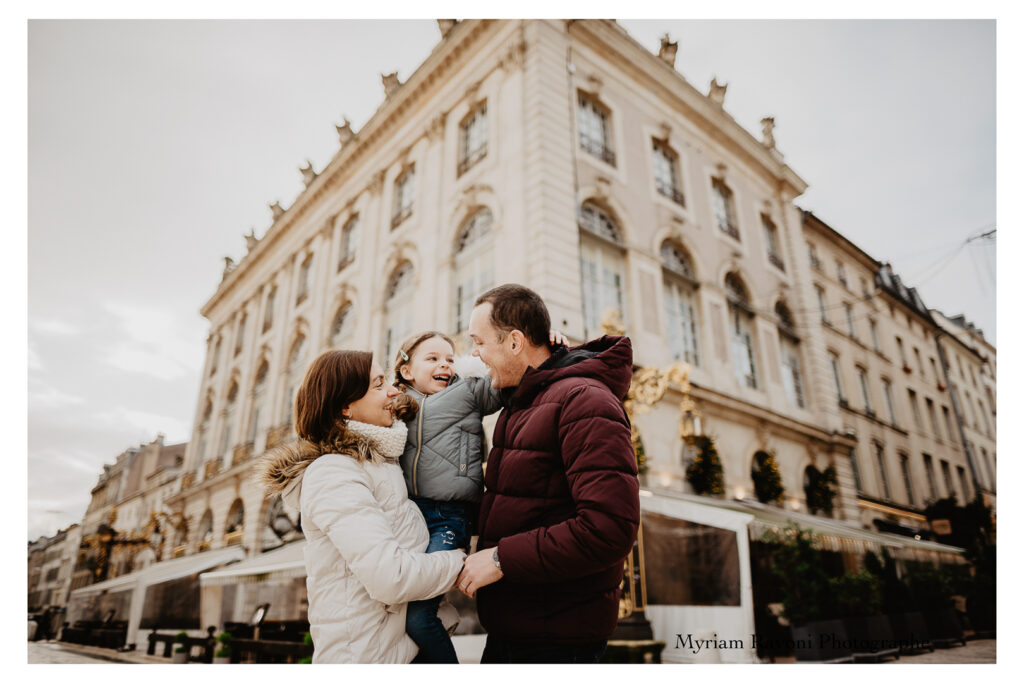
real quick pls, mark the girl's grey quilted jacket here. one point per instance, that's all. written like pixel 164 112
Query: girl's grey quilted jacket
pixel 443 458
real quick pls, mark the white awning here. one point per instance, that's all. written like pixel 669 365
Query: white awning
pixel 166 570
pixel 831 534
pixel 281 563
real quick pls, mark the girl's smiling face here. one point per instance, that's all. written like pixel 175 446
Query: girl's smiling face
pixel 431 366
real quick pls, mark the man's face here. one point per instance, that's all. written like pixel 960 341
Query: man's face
pixel 502 365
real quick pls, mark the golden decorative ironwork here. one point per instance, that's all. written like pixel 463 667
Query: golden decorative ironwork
pixel 241 453
pixel 188 480
pixel 211 469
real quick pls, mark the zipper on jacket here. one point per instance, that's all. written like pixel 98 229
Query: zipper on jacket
pixel 419 445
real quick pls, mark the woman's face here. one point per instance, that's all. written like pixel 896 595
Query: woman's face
pixel 375 406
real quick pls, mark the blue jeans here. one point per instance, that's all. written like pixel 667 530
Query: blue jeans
pixel 448 524
pixel 498 651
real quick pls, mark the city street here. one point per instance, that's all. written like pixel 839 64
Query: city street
pixel 975 652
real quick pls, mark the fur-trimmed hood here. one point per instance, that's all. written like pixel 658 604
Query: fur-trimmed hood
pixel 282 468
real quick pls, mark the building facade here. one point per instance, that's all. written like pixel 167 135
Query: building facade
pixel 564 156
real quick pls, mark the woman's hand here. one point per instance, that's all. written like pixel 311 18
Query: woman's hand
pixel 557 338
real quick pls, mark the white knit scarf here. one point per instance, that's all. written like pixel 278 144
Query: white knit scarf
pixel 388 441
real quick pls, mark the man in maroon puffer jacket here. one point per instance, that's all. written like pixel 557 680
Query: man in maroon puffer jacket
pixel 561 508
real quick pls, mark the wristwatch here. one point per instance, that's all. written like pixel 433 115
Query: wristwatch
pixel 497 562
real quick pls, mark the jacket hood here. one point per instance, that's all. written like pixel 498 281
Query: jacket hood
pixel 282 468
pixel 609 360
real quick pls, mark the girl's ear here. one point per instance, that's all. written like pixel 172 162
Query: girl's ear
pixel 345 412
pixel 405 372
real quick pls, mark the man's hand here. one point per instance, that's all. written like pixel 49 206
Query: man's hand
pixel 479 571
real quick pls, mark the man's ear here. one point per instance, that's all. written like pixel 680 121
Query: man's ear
pixel 516 341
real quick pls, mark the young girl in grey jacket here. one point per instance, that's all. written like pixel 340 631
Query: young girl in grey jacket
pixel 442 461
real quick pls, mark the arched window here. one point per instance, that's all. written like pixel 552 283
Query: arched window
pixel 235 523
pixel 204 432
pixel 680 303
pixel 474 264
pixel 789 352
pixel 741 318
pixel 278 526
pixel 296 366
pixel 259 400
pixel 240 334
pixel 229 422
pixel 205 537
pixel 342 326
pixel 602 264
pixel 349 242
pixel 398 309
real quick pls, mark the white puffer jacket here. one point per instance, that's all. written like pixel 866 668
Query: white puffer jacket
pixel 364 548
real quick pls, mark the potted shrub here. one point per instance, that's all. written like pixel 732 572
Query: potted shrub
pixel 705 473
pixel 807 600
pixel 907 625
pixel 181 649
pixel 223 653
pixel 932 593
pixel 859 602
pixel 307 639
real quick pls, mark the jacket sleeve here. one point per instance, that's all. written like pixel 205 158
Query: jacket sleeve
pixel 485 396
pixel 338 499
pixel 594 437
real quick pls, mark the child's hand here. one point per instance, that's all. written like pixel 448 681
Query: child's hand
pixel 557 338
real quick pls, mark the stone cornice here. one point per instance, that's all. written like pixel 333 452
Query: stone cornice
pixel 345 164
pixel 664 79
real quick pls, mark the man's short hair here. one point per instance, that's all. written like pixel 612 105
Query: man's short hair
pixel 514 307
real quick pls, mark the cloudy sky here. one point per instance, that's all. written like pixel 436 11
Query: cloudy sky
pixel 153 146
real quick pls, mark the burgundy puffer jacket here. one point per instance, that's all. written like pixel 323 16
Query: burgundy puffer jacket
pixel 562 500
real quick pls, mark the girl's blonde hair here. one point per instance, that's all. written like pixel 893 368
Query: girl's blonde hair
pixel 405 405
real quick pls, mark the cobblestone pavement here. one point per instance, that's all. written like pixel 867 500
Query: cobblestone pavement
pixel 974 652
pixel 53 652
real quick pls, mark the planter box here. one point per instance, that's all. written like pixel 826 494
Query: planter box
pixel 944 627
pixel 822 641
pixel 222 660
pixel 179 657
pixel 872 638
pixel 911 632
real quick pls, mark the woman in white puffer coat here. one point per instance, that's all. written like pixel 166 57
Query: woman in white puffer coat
pixel 364 537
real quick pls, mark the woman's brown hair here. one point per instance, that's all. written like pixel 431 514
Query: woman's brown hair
pixel 405 405
pixel 333 381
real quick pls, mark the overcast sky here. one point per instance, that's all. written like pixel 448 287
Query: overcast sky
pixel 154 146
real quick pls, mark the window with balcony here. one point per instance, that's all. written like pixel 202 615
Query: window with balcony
pixel 841 275
pixel 947 477
pixel 771 241
pixel 240 334
pixel 741 317
pixel 204 432
pixel 472 138
pixel 602 264
pixel 865 393
pixel 914 409
pixel 223 449
pixel 725 210
pixel 666 177
pixel 268 310
pixel 822 306
pixel 929 471
pixel 929 406
pixel 295 371
pixel 680 295
pixel 342 327
pixel 890 408
pixel 474 264
pixel 962 475
pixel 349 242
pixel 905 471
pixel 949 423
pixel 883 476
pixel 259 401
pixel 874 334
pixel 850 330
pixel 593 121
pixel 304 275
pixel 812 252
pixel 856 471
pixel 405 188
pixel 398 309
pixel 837 377
pixel 789 349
